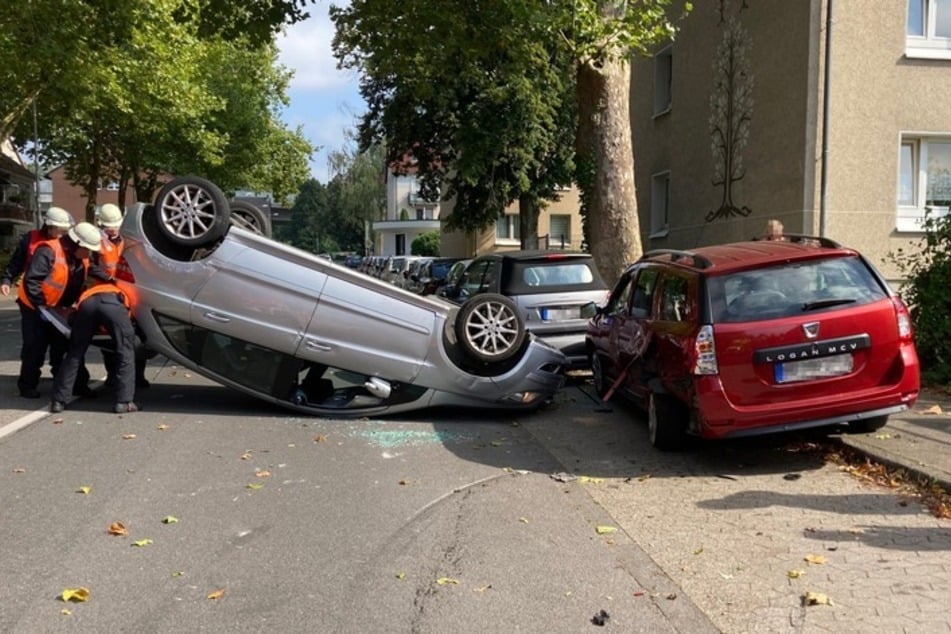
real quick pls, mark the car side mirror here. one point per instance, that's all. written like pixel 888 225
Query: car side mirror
pixel 589 310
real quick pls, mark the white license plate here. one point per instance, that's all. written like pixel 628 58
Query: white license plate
pixel 560 314
pixel 808 369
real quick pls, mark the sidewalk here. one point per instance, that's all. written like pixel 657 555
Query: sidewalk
pixel 918 440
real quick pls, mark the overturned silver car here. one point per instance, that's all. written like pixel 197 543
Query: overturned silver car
pixel 297 330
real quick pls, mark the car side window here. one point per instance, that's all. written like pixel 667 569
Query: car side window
pixel 642 306
pixel 675 299
pixel 620 298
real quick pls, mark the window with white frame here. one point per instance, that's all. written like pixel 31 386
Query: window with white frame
pixel 663 74
pixel 928 29
pixel 924 180
pixel 559 231
pixel 506 229
pixel 660 201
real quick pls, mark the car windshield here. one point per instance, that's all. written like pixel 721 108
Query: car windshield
pixel 441 269
pixel 792 289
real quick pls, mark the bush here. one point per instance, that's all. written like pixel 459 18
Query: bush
pixel 927 291
pixel 427 244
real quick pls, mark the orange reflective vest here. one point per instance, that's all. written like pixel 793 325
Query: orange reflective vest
pixel 106 287
pixel 55 283
pixel 109 255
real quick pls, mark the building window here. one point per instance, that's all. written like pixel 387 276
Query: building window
pixel 928 29
pixel 559 231
pixel 924 180
pixel 506 228
pixel 660 203
pixel 663 74
pixel 400 244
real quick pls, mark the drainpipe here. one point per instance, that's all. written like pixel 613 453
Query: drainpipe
pixel 824 178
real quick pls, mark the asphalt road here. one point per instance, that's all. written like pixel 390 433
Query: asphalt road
pixel 447 521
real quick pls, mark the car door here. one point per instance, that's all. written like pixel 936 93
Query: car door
pixel 264 295
pixel 370 329
pixel 676 313
pixel 633 331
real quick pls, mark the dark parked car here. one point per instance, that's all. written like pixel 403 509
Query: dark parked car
pixel 292 328
pixel 431 275
pixel 755 337
pixel 549 287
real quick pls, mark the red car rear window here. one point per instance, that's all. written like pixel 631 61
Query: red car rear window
pixel 791 289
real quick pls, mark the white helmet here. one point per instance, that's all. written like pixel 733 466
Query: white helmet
pixel 86 235
pixel 58 217
pixel 110 216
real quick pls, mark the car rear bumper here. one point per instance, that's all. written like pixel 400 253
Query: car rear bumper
pixel 724 419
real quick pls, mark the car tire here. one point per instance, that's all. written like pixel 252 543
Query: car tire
pixel 489 328
pixel 192 212
pixel 867 425
pixel 250 217
pixel 598 376
pixel 666 422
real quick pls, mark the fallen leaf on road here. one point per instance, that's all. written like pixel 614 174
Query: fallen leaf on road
pixel 118 528
pixel 605 530
pixel 443 581
pixel 816 598
pixel 483 588
pixel 162 427
pixel 129 437
pixel 246 455
pixel 523 520
pixel 57 421
pixel 77 595
pixel 263 473
pixel 178 573
pixel 639 593
pixel 255 486
pixel 320 438
pixel 84 490
pixel 19 470
pixel 66 612
pixel 401 575
pixel 404 482
pixel 590 480
pixel 217 594
pixel 671 596
pixel 698 551
pixel 815 559
pixel 142 543
pixel 169 519
pixel 934 409
pixel 883 436
pixel 795 574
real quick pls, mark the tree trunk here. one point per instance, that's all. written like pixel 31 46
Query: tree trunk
pixel 528 212
pixel 604 144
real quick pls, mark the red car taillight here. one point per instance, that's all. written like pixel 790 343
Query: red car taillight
pixel 705 352
pixel 905 331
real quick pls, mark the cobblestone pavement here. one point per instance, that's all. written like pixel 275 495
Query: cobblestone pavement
pixel 735 525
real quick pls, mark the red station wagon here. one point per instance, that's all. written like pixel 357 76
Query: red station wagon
pixel 755 337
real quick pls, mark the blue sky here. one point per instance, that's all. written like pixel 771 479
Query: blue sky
pixel 324 101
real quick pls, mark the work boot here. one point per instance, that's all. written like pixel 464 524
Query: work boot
pixel 56 407
pixel 30 393
pixel 126 408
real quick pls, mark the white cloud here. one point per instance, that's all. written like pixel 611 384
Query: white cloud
pixel 324 101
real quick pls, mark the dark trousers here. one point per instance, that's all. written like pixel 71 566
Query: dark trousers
pixel 102 310
pixel 37 338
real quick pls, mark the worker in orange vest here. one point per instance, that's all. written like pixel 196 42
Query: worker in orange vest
pixel 102 305
pixel 109 217
pixel 54 279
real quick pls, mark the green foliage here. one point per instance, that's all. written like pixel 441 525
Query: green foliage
pixel 404 214
pixel 927 291
pixel 426 244
pixel 131 90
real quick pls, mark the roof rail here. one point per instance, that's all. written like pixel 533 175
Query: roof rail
pixel 676 255
pixel 802 238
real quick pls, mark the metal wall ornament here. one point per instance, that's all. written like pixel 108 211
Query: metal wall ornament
pixel 731 110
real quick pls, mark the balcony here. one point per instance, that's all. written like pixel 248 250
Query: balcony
pixel 16 213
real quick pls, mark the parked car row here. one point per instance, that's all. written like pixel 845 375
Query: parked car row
pixel 723 341
pixel 417 274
